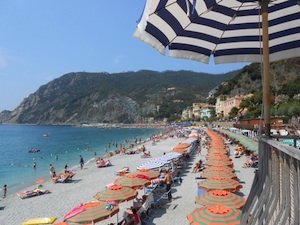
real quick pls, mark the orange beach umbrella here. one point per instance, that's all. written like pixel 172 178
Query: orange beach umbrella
pixel 152 174
pixel 93 213
pixel 220 184
pixel 117 194
pixel 220 197
pixel 135 181
pixel 215 215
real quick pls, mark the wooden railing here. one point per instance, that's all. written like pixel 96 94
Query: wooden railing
pixel 274 196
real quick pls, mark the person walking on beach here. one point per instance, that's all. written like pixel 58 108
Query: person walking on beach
pixel 169 181
pixel 81 162
pixel 199 149
pixel 52 170
pixel 4 190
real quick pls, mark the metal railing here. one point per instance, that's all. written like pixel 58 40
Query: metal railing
pixel 274 196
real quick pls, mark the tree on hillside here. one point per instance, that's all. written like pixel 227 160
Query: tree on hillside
pixel 233 112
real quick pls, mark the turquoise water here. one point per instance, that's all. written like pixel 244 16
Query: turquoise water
pixel 291 142
pixel 65 142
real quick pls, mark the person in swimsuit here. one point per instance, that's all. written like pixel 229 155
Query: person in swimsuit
pixel 169 181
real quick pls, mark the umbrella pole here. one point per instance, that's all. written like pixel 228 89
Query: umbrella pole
pixel 266 66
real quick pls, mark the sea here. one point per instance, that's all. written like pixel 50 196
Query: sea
pixel 57 145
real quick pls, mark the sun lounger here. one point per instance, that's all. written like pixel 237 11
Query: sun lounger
pixel 63 178
pixel 32 193
pixel 123 171
pixel 105 164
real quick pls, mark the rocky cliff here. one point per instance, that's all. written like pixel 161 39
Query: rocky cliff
pixel 129 97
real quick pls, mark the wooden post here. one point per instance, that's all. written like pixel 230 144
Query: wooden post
pixel 266 66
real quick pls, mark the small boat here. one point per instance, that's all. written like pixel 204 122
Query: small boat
pixel 34 150
pixel 45 135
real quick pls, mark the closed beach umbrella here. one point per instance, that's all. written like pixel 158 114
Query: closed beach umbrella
pixel 215 215
pixel 152 174
pixel 133 181
pixel 117 194
pixel 220 197
pixel 94 212
pixel 221 184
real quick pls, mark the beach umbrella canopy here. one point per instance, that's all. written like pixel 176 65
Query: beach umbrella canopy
pixel 218 157
pixel 219 169
pixel 218 162
pixel 169 156
pixel 117 194
pixel 135 181
pixel 152 164
pixel 220 184
pixel 215 215
pixel 230 31
pixel 179 150
pixel 223 174
pixel 220 197
pixel 152 174
pixel 217 153
pixel 93 213
pixel 183 145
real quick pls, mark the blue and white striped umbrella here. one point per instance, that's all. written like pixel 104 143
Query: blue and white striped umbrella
pixel 230 30
pixel 152 164
pixel 227 29
pixel 160 161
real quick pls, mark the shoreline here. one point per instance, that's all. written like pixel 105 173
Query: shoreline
pixel 23 180
pixel 65 196
pixel 87 182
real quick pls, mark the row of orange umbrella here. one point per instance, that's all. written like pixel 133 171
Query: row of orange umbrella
pixel 220 204
pixel 124 189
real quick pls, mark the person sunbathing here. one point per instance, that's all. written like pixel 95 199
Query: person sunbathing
pixel 252 158
pixel 197 166
pixel 100 161
pixel 147 154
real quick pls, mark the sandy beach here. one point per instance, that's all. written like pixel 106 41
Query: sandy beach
pixel 87 182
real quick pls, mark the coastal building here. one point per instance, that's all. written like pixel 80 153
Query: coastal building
pixel 187 113
pixel 231 103
pixel 220 105
pixel 207 111
pixel 197 108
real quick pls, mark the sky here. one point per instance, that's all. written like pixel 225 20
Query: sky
pixel 41 40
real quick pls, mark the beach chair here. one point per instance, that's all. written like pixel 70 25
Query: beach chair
pixel 62 178
pixel 32 193
pixel 106 164
pixel 254 164
pixel 123 171
pixel 161 201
